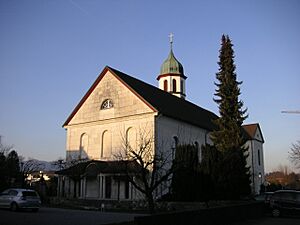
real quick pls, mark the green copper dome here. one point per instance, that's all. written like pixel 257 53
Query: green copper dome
pixel 171 65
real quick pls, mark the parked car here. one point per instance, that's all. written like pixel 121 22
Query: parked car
pixel 285 202
pixel 16 199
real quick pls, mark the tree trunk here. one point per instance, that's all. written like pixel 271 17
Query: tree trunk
pixel 150 200
pixel 23 182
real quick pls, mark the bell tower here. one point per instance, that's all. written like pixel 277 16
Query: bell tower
pixel 171 78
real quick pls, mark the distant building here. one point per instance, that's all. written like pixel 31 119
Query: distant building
pixel 118 106
pixel 255 159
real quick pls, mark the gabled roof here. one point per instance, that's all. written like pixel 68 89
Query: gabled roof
pixel 158 100
pixel 251 131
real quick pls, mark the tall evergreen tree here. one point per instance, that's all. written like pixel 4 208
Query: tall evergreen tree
pixel 228 137
pixel 13 165
pixel 9 167
pixel 229 134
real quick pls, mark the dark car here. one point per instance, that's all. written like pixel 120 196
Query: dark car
pixel 285 202
pixel 15 199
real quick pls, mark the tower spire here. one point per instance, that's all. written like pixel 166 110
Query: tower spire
pixel 171 78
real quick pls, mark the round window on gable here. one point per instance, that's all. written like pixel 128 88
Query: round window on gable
pixel 107 104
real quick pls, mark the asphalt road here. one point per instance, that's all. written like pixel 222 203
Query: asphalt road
pixel 55 216
pixel 268 220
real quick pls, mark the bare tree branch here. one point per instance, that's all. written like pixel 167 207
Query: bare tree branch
pixel 30 165
pixel 154 164
pixel 5 149
pixel 294 154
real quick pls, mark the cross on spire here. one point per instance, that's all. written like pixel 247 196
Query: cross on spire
pixel 171 35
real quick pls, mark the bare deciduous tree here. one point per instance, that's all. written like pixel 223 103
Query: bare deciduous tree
pixel 155 165
pixel 5 149
pixel 294 154
pixel 29 166
pixel 60 163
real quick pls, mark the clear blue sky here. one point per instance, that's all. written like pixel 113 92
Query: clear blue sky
pixel 51 51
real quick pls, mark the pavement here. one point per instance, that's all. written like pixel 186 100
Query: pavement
pixel 268 220
pixel 58 216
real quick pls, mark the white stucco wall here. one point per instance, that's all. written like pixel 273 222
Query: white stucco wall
pixel 128 111
pixel 167 128
pixel 117 129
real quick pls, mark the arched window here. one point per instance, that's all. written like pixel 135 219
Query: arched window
pixel 131 139
pixel 83 150
pixel 107 104
pixel 165 85
pixel 198 151
pixel 181 86
pixel 174 85
pixel 175 141
pixel 174 146
pixel 106 145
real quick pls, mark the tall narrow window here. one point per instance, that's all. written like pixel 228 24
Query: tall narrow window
pixel 174 85
pixel 198 151
pixel 174 146
pixel 108 187
pixel 258 156
pixel 175 141
pixel 165 85
pixel 106 144
pixel 131 139
pixel 83 151
pixel 181 86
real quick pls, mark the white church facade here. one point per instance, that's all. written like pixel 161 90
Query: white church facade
pixel 119 107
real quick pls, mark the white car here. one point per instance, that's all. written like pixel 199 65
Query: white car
pixel 15 199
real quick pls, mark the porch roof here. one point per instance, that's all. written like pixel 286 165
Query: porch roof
pixel 94 167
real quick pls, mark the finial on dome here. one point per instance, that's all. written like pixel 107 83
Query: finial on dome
pixel 171 64
pixel 171 35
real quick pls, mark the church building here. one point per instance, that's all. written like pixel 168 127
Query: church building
pixel 119 107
